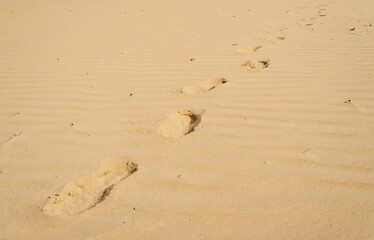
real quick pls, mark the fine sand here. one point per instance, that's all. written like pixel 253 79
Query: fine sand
pixel 198 119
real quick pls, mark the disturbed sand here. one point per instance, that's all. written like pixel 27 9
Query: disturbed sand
pixel 173 119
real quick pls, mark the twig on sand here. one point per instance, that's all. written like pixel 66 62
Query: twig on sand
pixel 14 135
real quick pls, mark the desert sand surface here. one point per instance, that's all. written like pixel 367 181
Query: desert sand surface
pixel 199 119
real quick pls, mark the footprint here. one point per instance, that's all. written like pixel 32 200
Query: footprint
pixel 204 86
pixel 249 50
pixel 276 30
pixel 276 38
pixel 180 123
pixel 253 65
pixel 90 190
pixel 307 22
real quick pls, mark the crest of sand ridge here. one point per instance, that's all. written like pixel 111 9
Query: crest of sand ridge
pixel 86 192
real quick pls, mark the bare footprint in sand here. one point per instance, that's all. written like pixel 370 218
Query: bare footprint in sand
pixel 306 22
pixel 276 38
pixel 180 123
pixel 249 50
pixel 204 86
pixel 276 30
pixel 90 190
pixel 255 65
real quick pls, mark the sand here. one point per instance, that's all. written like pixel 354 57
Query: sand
pixel 284 149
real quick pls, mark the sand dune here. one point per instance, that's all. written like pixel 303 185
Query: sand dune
pixel 283 151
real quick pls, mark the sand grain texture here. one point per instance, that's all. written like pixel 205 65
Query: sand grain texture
pixel 283 152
